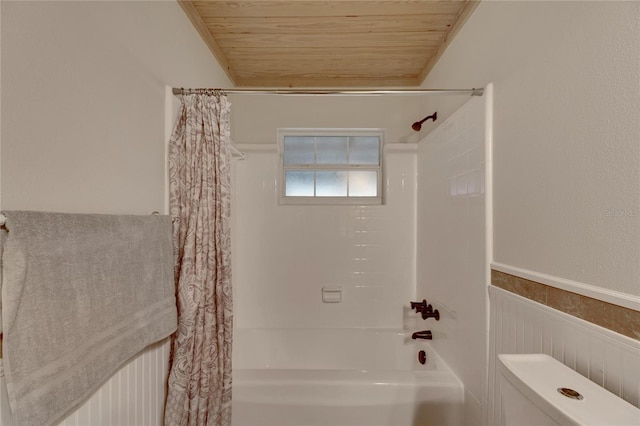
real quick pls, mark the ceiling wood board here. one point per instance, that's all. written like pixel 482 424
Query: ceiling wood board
pixel 303 8
pixel 342 24
pixel 340 43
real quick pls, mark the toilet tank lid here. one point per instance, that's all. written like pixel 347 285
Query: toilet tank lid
pixel 539 376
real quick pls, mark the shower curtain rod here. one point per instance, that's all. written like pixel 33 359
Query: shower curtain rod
pixel 360 92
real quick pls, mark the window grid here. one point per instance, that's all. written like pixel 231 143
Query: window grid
pixel 347 167
pixel 350 192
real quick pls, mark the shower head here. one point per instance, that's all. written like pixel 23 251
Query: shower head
pixel 418 124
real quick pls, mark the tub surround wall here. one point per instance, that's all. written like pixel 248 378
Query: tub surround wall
pixel 451 247
pixel 330 349
pixel 285 254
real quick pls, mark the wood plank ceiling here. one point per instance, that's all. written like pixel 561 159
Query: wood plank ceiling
pixel 339 43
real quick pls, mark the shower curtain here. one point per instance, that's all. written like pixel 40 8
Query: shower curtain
pixel 199 386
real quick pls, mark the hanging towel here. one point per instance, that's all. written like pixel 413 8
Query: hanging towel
pixel 81 294
pixel 3 237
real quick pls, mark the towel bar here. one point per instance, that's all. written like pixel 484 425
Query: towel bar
pixel 3 218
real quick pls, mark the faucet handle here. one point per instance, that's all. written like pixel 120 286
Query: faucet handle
pixel 419 306
pixel 430 313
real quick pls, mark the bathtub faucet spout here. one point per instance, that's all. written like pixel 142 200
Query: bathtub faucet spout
pixel 426 334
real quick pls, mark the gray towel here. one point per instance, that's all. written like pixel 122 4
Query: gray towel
pixel 81 294
pixel 3 238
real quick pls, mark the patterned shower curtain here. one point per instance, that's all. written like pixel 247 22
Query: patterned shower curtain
pixel 199 387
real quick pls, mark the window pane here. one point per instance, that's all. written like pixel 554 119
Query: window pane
pixel 331 150
pixel 331 183
pixel 298 183
pixel 363 183
pixel 364 150
pixel 298 150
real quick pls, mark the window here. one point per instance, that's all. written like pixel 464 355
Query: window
pixel 338 166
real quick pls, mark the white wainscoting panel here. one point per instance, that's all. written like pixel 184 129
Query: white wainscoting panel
pixel 134 396
pixel 519 325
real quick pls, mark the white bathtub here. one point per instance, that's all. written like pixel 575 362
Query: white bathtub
pixel 340 377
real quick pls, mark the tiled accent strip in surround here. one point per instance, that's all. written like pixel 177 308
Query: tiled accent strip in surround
pixel 613 317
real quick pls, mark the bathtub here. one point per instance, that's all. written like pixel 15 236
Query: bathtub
pixel 340 377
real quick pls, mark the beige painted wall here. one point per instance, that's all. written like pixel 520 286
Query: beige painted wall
pixel 566 133
pixel 256 118
pixel 83 102
pixel 83 91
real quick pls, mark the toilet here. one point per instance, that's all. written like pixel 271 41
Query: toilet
pixel 538 390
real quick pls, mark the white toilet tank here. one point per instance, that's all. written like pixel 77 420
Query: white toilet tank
pixel 537 390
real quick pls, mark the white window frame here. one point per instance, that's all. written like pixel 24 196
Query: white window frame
pixel 346 200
